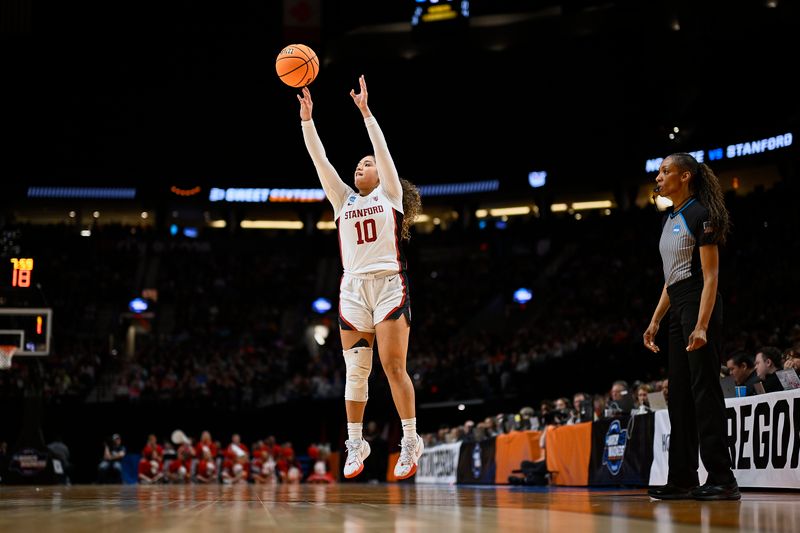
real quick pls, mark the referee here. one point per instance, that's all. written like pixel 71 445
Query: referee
pixel 691 233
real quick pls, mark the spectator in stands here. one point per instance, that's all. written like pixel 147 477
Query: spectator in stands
pixel 320 475
pixel 169 452
pixel 469 431
pixel 582 408
pixel 618 389
pixel 288 467
pixel 490 426
pixel 110 468
pixel 263 467
pixel 153 445
pixel 206 443
pixel 642 402
pixel 741 366
pixel 151 469
pixel 527 420
pixel 562 412
pixel 665 389
pixel 545 413
pixel 769 361
pixel 180 468
pixel 235 470
pixel 791 360
pixel 321 470
pixel 60 452
pixel 503 422
pixel 235 447
pixel 206 471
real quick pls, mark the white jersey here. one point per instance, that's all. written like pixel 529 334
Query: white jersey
pixel 369 233
pixel 370 226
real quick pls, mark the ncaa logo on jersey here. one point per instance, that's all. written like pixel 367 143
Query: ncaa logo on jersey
pixel 351 199
pixel 676 228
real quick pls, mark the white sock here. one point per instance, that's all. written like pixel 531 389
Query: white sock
pixel 354 430
pixel 409 428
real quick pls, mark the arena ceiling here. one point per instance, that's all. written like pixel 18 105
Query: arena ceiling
pixel 130 93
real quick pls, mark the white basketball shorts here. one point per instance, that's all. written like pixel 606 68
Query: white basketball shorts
pixel 368 299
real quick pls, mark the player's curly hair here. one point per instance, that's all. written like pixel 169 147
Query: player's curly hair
pixel 705 185
pixel 412 206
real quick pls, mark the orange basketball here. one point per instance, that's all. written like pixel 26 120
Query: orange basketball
pixel 297 65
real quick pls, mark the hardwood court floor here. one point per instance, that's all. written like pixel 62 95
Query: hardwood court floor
pixel 360 508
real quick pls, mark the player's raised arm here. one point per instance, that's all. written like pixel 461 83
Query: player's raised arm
pixel 335 189
pixel 390 179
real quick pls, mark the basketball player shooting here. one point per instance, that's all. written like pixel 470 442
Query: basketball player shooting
pixel 373 220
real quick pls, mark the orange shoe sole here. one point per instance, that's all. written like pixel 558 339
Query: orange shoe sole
pixel 357 472
pixel 413 471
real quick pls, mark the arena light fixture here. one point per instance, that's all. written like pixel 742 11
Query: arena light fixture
pixel 321 305
pixel 510 211
pixel 599 204
pixel 271 224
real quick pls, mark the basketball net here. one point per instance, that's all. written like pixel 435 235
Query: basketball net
pixel 6 353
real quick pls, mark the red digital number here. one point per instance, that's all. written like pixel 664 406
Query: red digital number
pixel 21 278
pixel 370 231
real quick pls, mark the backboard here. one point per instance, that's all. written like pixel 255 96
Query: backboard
pixel 29 329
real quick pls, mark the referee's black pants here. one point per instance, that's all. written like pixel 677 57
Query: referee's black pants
pixel 695 400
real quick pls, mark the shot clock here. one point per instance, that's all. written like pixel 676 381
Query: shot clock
pixel 22 271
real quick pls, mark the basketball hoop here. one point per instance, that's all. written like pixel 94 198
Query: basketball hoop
pixel 6 353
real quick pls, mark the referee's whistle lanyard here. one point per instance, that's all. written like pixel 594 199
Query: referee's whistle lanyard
pixel 677 209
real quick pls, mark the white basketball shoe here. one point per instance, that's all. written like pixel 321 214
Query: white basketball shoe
pixel 410 452
pixel 357 451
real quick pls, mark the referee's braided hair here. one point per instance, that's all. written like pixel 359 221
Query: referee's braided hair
pixel 412 206
pixel 705 185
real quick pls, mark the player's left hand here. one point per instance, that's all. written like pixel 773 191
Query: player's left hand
pixel 360 98
pixel 697 339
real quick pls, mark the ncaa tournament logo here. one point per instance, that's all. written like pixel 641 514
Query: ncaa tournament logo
pixel 351 200
pixel 676 228
pixel 614 451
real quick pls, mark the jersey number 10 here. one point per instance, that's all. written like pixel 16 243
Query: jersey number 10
pixel 370 231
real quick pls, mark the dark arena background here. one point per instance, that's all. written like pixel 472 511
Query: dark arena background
pixel 170 269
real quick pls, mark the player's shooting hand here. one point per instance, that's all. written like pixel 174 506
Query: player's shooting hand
pixel 306 104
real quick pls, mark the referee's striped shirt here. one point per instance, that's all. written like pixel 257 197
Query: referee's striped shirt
pixel 683 233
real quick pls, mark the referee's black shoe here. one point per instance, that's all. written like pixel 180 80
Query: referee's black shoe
pixel 671 492
pixel 713 491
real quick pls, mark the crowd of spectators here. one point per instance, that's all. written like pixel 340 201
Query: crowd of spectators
pixel 182 459
pixel 232 323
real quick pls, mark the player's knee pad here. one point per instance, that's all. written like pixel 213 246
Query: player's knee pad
pixel 358 364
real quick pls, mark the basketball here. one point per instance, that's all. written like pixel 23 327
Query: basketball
pixel 297 65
